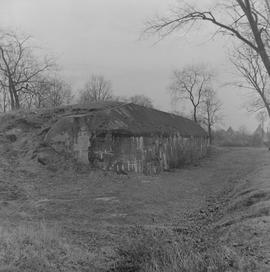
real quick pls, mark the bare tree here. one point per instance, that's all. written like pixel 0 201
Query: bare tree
pixel 190 84
pixel 58 93
pixel 247 20
pixel 255 77
pixel 19 68
pixel 141 100
pixel 210 111
pixel 46 92
pixel 96 89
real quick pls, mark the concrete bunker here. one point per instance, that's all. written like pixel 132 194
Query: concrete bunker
pixel 128 137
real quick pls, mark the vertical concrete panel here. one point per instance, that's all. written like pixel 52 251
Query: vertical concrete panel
pixel 81 145
pixel 147 155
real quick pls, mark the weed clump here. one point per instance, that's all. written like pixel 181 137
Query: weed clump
pixel 162 250
pixel 40 248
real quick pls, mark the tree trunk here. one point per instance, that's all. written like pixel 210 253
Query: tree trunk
pixel 195 115
pixel 257 35
pixel 5 101
pixel 17 101
pixel 12 104
pixel 266 104
pixel 268 110
pixel 14 98
pixel 210 134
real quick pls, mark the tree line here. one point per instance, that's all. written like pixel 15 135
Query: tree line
pixel 27 80
pixel 30 81
pixel 193 84
pixel 97 88
pixel 247 23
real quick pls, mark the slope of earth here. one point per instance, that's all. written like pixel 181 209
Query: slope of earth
pixel 245 221
pixel 228 192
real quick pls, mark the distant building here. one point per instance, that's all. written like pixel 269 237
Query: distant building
pixel 128 137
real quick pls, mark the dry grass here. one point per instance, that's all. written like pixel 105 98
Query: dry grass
pixel 71 201
pixel 40 248
pixel 156 251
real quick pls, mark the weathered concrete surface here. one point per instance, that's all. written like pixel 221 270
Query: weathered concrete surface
pixel 115 140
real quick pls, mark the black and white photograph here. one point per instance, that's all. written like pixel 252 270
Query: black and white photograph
pixel 134 135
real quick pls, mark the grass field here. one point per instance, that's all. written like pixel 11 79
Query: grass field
pixel 81 220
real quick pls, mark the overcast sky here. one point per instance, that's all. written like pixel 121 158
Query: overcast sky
pixel 103 37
